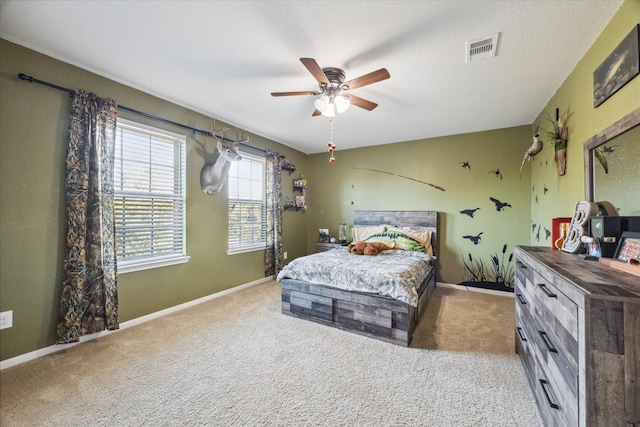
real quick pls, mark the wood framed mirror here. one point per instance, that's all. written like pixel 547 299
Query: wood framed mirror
pixel 611 165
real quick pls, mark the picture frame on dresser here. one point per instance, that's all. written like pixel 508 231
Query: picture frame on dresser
pixel 628 247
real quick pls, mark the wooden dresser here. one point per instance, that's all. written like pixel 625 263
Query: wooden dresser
pixel 578 337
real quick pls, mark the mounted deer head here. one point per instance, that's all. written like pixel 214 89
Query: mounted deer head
pixel 214 176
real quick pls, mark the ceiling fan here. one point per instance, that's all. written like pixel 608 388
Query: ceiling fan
pixel 334 96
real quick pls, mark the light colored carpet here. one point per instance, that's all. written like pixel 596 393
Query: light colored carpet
pixel 237 361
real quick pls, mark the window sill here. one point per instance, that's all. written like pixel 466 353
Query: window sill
pixel 246 249
pixel 154 263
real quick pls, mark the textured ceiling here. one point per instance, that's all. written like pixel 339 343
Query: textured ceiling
pixel 224 58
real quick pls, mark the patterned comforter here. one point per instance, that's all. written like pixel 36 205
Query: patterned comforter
pixel 396 274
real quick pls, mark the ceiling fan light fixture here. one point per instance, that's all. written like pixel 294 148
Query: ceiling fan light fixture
pixel 342 103
pixel 330 111
pixel 322 103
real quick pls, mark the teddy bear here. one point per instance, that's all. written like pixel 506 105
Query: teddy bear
pixel 367 248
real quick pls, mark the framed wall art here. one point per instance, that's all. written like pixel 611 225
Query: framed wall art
pixel 618 68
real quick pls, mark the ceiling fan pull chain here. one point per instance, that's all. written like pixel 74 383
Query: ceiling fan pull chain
pixel 331 146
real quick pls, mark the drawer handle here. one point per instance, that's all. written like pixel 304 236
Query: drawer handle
pixel 544 384
pixel 521 265
pixel 547 291
pixel 522 300
pixel 519 329
pixel 545 339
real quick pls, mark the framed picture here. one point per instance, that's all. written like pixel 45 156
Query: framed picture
pixel 618 69
pixel 628 247
pixel 323 235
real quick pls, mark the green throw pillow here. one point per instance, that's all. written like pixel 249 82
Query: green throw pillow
pixel 402 242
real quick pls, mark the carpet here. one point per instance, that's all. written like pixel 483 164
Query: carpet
pixel 237 361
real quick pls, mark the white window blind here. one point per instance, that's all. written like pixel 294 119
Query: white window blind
pixel 150 196
pixel 247 208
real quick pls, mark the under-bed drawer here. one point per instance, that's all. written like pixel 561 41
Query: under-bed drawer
pixel 365 314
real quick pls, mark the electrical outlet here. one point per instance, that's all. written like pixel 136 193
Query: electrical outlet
pixel 284 255
pixel 6 319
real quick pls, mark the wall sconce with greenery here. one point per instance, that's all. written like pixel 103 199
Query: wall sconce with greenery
pixel 559 138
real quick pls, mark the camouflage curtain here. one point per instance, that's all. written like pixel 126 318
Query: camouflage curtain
pixel 89 301
pixel 273 254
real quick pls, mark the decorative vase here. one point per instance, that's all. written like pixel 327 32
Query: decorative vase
pixel 564 228
pixel 561 160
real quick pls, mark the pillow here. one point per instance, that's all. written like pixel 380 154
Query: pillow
pixel 402 241
pixel 361 233
pixel 422 236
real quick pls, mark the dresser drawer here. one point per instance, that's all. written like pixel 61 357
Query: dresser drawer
pixel 524 273
pixel 525 344
pixel 557 313
pixel 556 409
pixel 554 361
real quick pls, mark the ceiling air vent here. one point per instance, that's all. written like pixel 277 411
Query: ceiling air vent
pixel 482 48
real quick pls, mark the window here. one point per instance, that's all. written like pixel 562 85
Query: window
pixel 247 207
pixel 149 188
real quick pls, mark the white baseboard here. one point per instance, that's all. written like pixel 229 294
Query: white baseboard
pixel 474 289
pixel 124 325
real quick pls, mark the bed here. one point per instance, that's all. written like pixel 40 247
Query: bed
pixel 330 287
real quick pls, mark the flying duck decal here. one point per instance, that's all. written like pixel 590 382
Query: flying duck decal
pixel 475 239
pixel 469 212
pixel 499 205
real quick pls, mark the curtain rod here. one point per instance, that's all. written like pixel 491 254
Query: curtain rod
pixel 142 113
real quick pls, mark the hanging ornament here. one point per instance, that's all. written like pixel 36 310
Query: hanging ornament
pixel 330 145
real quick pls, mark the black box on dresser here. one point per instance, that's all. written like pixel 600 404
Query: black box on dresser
pixel 608 229
pixel 577 332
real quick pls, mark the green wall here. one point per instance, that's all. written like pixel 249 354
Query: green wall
pixel 335 190
pixel 33 132
pixel 577 95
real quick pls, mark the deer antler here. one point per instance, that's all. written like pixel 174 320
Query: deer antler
pixel 214 130
pixel 238 140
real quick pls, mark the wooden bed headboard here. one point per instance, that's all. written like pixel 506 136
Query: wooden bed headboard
pixel 427 220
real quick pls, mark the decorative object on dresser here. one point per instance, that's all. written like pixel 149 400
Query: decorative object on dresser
pixel 379 297
pixel 608 229
pixel 580 221
pixel 577 332
pixel 578 226
pixel 557 229
pixel 629 247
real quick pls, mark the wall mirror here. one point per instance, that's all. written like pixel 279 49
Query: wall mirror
pixel 612 165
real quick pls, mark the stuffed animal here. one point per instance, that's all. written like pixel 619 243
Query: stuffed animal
pixel 368 248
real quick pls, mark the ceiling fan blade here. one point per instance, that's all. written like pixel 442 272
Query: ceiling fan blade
pixel 367 79
pixel 362 103
pixel 304 92
pixel 316 113
pixel 315 70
